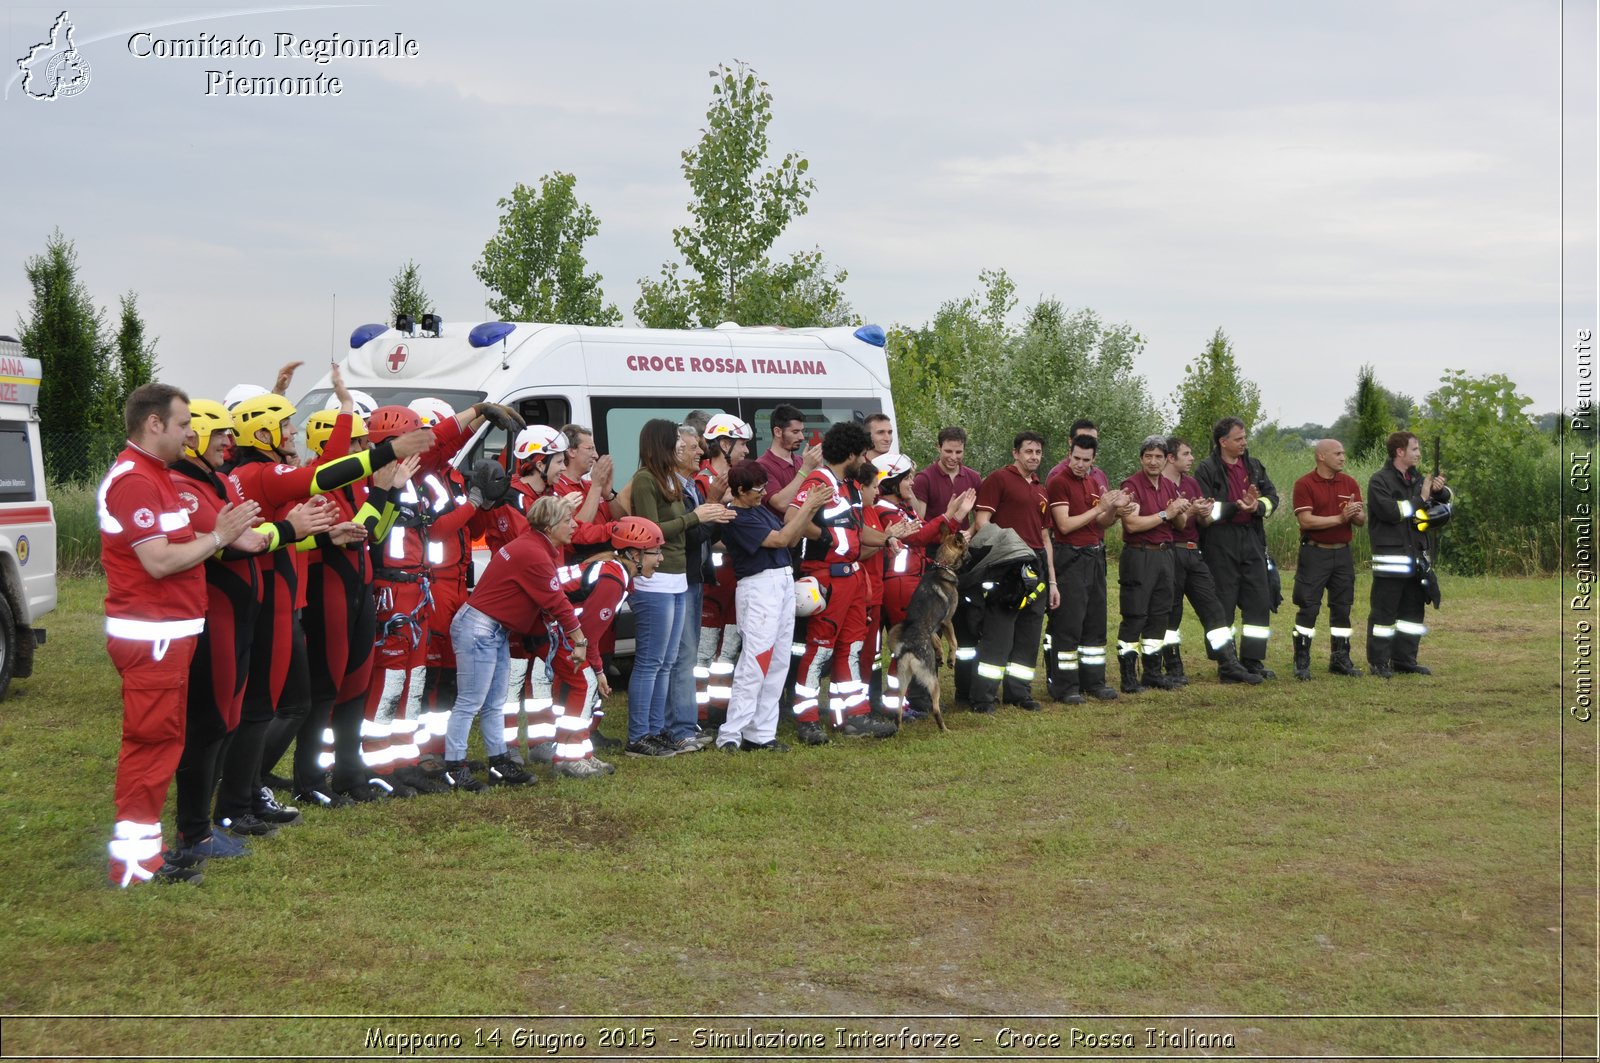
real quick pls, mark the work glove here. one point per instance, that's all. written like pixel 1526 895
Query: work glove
pixel 502 417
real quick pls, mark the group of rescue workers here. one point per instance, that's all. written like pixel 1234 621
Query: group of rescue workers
pixel 257 601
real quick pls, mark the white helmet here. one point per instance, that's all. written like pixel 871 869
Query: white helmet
pixel 726 425
pixel 239 392
pixel 430 411
pixel 364 403
pixel 539 441
pixel 809 597
pixel 891 465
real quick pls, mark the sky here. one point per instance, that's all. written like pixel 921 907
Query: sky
pixel 1331 184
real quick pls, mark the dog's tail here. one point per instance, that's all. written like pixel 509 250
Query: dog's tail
pixel 894 640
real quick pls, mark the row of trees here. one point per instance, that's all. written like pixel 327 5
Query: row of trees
pixel 89 366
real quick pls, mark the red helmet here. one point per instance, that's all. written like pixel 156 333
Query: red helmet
pixel 636 533
pixel 387 422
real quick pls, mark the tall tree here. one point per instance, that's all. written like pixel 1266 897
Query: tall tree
pixel 534 262
pixel 136 356
pixel 1213 388
pixel 406 295
pixel 1373 419
pixel 64 332
pixel 740 206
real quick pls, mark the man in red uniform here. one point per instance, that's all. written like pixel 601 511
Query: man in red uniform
pixel 1144 575
pixel 831 551
pixel 591 500
pixel 155 611
pixel 1082 507
pixel 1008 648
pixel 881 429
pixel 1327 503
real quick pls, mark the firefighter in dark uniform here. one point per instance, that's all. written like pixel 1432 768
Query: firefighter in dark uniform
pixel 1082 507
pixel 1235 542
pixel 1401 502
pixel 1008 649
pixel 1192 579
pixel 1327 503
pixel 1144 575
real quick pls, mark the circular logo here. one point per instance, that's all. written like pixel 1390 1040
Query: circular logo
pixel 605 614
pixel 22 549
pixel 191 503
pixel 144 518
pixel 555 584
pixel 283 470
pixel 397 358
pixel 67 73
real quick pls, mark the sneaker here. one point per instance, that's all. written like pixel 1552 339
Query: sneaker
pixel 729 747
pixel 269 810
pixel 540 753
pixel 325 798
pixel 247 826
pixel 459 777
pixel 177 867
pixel 584 768
pixel 867 727
pixel 605 766
pixel 703 739
pixel 647 747
pixel 811 733
pixel 219 845
pixel 773 746
pixel 908 713
pixel 1029 705
pixel 679 745
pixel 503 771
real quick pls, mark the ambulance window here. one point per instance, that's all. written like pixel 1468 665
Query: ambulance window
pixel 16 463
pixel 549 410
pixel 819 414
pixel 619 421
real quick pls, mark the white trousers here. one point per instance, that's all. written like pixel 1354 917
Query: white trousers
pixel 766 622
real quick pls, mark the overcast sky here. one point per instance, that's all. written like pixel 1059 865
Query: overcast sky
pixel 1330 183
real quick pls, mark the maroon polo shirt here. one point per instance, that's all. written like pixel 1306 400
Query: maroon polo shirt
pixel 1152 499
pixel 1016 502
pixel 935 488
pixel 780 471
pixel 1326 498
pixel 1238 475
pixel 1078 495
pixel 1188 487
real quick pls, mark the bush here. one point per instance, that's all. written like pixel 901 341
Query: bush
pixel 77 529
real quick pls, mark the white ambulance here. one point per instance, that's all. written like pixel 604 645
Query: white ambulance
pixel 27 519
pixel 613 380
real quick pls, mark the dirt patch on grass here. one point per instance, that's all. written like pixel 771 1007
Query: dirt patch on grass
pixel 553 820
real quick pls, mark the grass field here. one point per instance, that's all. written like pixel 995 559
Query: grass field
pixel 1376 864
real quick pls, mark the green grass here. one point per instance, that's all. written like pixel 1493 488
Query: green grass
pixel 1341 847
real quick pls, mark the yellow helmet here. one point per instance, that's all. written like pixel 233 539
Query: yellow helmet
pixel 319 426
pixel 207 417
pixel 267 411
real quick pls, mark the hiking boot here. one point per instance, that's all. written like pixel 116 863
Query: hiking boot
pixel 605 766
pixel 324 798
pixel 811 733
pixel 866 727
pixel 1153 676
pixel 459 777
pixel 1172 661
pixel 368 791
pixel 269 810
pixel 1411 668
pixel 179 868
pixel 584 768
pixel 219 845
pixel 647 747
pixel 1029 705
pixel 1257 668
pixel 503 771
pixel 1302 657
pixel 247 826
pixel 1129 663
pixel 423 782
pixel 1229 670
pixel 539 753
pixel 1339 662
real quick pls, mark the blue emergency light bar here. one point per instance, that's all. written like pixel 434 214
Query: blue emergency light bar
pixel 365 334
pixel 872 334
pixel 490 333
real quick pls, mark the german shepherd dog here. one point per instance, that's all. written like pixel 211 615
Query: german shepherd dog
pixel 913 643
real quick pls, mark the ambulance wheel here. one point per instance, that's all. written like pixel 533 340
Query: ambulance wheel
pixel 8 646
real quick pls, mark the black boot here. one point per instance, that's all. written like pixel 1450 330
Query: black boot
pixel 1302 656
pixel 1172 658
pixel 1130 672
pixel 1229 670
pixel 1339 662
pixel 1092 681
pixel 1257 668
pixel 1152 672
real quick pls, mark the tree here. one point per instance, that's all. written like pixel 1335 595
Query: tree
pixel 739 208
pixel 1373 420
pixel 406 295
pixel 1213 388
pixel 534 263
pixel 136 356
pixel 64 332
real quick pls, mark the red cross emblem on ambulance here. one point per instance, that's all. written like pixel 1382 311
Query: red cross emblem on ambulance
pixel 397 358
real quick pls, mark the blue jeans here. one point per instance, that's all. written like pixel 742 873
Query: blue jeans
pixel 483 661
pixel 683 709
pixel 658 629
